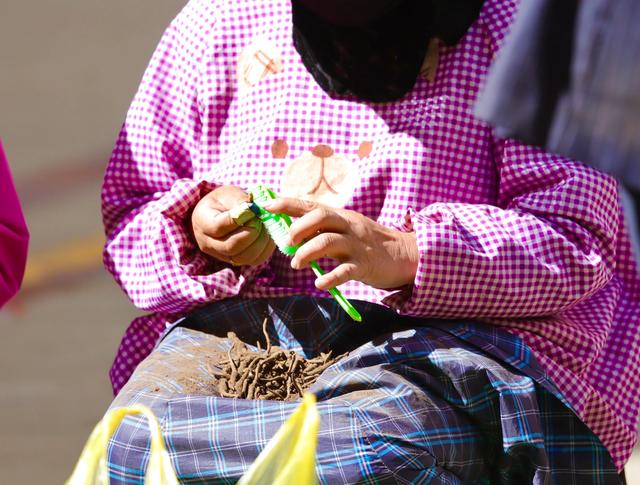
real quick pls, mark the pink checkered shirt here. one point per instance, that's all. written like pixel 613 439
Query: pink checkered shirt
pixel 507 233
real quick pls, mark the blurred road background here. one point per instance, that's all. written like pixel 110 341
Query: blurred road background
pixel 68 71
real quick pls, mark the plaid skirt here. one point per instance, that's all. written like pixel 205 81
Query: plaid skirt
pixel 415 401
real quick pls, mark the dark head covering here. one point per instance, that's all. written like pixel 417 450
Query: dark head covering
pixel 374 48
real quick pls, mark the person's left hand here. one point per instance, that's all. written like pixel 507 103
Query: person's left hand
pixel 368 252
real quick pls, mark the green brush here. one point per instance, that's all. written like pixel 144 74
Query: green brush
pixel 277 226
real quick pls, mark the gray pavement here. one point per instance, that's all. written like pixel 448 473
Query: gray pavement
pixel 68 70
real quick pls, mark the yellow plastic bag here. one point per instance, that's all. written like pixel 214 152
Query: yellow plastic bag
pixel 290 456
pixel 91 468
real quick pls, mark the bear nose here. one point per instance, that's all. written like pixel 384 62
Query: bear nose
pixel 322 151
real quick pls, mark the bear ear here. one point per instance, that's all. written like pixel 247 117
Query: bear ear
pixel 279 149
pixel 365 149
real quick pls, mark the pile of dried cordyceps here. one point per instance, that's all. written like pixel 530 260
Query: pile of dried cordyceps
pixel 271 374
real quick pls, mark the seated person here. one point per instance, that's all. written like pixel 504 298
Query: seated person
pixel 498 290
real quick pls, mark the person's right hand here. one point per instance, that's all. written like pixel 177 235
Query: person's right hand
pixel 219 236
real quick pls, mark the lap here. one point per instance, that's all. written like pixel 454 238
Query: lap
pixel 413 405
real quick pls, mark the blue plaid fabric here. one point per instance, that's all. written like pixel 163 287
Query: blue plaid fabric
pixel 415 401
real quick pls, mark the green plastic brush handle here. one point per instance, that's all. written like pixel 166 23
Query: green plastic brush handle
pixel 339 297
pixel 264 193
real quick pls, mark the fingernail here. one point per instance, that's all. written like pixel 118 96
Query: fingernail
pixel 294 263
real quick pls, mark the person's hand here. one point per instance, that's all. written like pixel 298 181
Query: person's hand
pixel 219 236
pixel 367 251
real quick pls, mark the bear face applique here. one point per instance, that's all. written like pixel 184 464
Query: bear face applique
pixel 320 175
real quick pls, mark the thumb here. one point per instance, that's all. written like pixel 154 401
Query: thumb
pixel 291 207
pixel 226 197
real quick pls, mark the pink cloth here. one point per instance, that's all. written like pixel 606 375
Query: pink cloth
pixel 508 234
pixel 14 237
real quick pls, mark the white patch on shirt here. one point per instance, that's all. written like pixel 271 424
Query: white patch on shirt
pixel 320 174
pixel 258 61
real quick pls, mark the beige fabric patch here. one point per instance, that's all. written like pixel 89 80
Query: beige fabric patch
pixel 279 149
pixel 365 149
pixel 430 64
pixel 320 175
pixel 258 61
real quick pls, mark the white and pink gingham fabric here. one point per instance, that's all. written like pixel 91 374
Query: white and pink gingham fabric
pixel 508 234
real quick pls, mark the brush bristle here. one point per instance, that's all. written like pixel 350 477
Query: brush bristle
pixel 279 232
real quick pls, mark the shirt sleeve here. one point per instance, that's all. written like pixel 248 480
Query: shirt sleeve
pixel 548 243
pixel 149 188
pixel 14 237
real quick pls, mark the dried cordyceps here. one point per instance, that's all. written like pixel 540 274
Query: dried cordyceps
pixel 270 374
